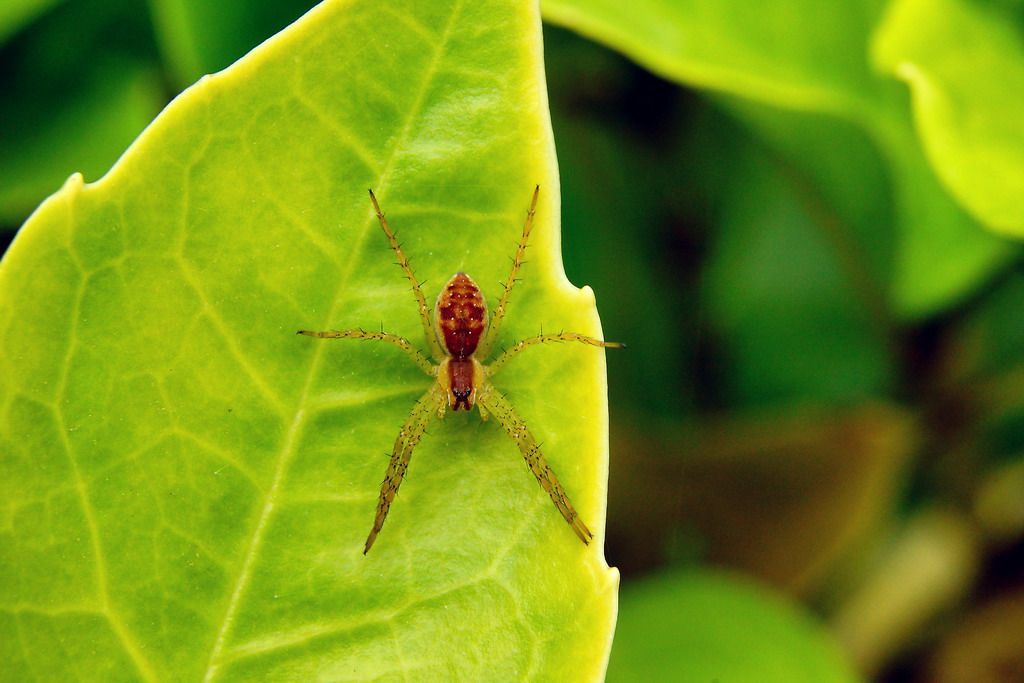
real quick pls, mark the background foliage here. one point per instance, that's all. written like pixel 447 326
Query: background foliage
pixel 802 219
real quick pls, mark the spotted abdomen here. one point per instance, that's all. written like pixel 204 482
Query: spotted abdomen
pixel 461 315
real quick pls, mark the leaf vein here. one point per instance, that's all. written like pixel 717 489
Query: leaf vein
pixel 102 580
pixel 291 437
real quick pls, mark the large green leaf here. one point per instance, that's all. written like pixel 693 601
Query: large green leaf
pixel 709 626
pixel 964 63
pixel 186 484
pixel 806 56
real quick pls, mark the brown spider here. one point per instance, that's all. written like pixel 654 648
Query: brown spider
pixel 460 380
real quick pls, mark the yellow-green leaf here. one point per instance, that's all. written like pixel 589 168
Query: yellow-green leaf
pixel 185 484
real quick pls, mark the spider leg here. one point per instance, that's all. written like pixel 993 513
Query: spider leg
pixel 421 302
pixel 499 313
pixel 510 352
pixel 500 407
pixel 412 431
pixel 400 342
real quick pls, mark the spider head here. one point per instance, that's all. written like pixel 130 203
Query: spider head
pixel 461 397
pixel 461 379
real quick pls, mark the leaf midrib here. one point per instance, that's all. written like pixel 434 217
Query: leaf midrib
pixel 291 438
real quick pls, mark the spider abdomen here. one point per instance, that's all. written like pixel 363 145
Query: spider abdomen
pixel 461 315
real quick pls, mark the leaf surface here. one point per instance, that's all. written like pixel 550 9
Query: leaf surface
pixel 186 484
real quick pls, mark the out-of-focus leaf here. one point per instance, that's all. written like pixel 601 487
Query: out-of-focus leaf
pixel 86 132
pixel 61 112
pixel 783 293
pixel 613 203
pixel 992 339
pixel 999 507
pixel 803 55
pixel 942 254
pixel 604 209
pixel 199 37
pixel 186 484
pixel 909 246
pixel 964 63
pixel 980 394
pixel 843 182
pixel 929 566
pixel 49 56
pixel 706 626
pixel 16 13
pixel 782 498
pixel 799 53
pixel 986 647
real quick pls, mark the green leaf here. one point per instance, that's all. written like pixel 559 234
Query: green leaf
pixel 62 113
pixel 803 56
pixel 186 484
pixel 786 288
pixel 708 626
pixel 799 54
pixel 601 196
pixel 964 63
pixel 14 14
pixel 943 254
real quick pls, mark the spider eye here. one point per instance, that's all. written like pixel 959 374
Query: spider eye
pixel 461 399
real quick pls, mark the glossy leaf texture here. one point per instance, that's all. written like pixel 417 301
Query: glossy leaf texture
pixel 710 626
pixel 803 57
pixel 185 484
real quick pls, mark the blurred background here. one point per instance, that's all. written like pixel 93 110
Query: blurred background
pixel 807 402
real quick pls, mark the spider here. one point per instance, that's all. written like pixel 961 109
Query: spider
pixel 461 334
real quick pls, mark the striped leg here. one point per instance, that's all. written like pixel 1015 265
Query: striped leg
pixel 412 431
pixel 400 342
pixel 544 338
pixel 421 302
pixel 497 405
pixel 499 313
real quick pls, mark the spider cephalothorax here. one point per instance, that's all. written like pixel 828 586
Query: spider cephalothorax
pixel 461 332
pixel 461 316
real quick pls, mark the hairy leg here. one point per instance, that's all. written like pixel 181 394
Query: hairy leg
pixel 412 431
pixel 421 302
pixel 497 405
pixel 499 313
pixel 543 339
pixel 400 342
